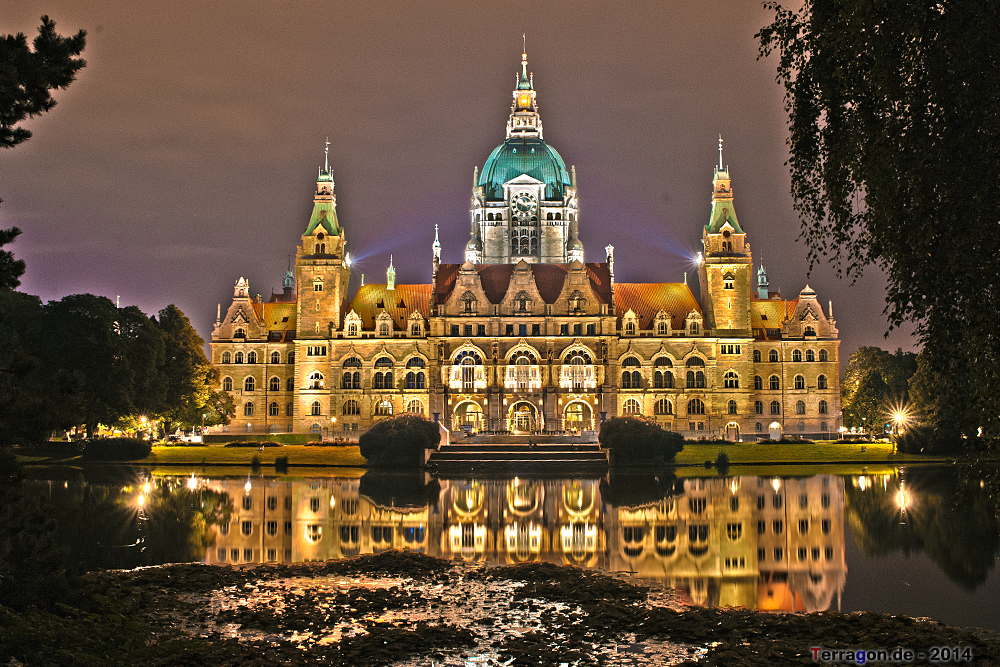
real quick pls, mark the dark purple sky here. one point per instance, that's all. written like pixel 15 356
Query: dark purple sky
pixel 185 154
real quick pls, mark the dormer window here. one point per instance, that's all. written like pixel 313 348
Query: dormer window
pixel 630 328
pixel 728 280
pixel 468 304
pixel 317 286
pixel 810 331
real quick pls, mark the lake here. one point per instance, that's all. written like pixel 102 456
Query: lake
pixel 921 541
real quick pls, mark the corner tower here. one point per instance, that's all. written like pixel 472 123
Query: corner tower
pixel 322 265
pixel 524 200
pixel 726 268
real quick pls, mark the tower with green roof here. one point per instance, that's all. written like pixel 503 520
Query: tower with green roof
pixel 524 200
pixel 726 269
pixel 322 265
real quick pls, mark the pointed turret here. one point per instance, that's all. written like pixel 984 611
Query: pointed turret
pixel 390 276
pixel 474 248
pixel 574 248
pixel 762 284
pixel 524 119
pixel 324 212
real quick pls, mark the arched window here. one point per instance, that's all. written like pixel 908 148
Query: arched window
pixel 289 410
pixel 415 407
pixel 352 329
pixel 275 357
pixel 774 382
pixel 383 362
pixel 810 355
pixel 631 407
pixel 238 358
pixel 696 406
pixel 801 426
pixel 273 410
pixel 758 382
pixel 662 328
pixel 690 379
pixel 772 356
pixel 522 303
pixel 758 407
pixel 823 408
pixel 248 384
pixel 251 357
pixel 732 407
pixel 663 407
pixel 756 356
pixel 383 329
pixel 796 355
pixel 775 408
pixel 800 382
pixel 227 383
pixel 315 409
pixel 290 384
pixel 226 358
pixel 663 380
pixel 800 407
pixel 631 362
pixel 352 362
pixel 731 380
pixel 274 384
pixel 316 380
pixel 824 355
pixel 415 380
pixel 248 409
pixel 351 408
pixel 699 380
pixel 415 329
pixel 383 408
pixel 468 304
pixel 821 382
pixel 630 328
pixel 416 362
pixel 240 333
pixel 291 357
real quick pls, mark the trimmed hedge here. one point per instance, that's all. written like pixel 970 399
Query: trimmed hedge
pixel 639 441
pixel 280 438
pixel 116 449
pixel 252 443
pixel 399 442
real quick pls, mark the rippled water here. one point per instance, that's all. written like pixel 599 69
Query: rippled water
pixel 919 541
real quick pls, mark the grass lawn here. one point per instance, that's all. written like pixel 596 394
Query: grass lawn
pixel 820 452
pixel 346 455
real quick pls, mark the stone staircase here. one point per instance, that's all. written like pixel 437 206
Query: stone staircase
pixel 509 453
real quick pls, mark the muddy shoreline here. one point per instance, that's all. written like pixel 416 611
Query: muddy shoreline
pixel 403 608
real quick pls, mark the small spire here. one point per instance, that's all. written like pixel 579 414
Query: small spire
pixel 326 155
pixel 720 153
pixel 437 241
pixel 390 276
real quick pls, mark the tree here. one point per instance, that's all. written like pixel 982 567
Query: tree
pixel 11 269
pixel 893 136
pixel 28 76
pixel 191 382
pixel 875 385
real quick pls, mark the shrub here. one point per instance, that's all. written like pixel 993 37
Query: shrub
pixel 252 443
pixel 281 464
pixel 399 441
pixel 722 463
pixel 116 449
pixel 255 463
pixel 638 441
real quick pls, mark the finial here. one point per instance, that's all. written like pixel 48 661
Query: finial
pixel 326 155
pixel 720 152
pixel 524 40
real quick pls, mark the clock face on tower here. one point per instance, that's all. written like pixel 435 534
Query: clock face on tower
pixel 522 207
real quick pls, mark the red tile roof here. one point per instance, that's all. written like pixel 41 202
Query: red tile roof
pixel 400 303
pixel 647 299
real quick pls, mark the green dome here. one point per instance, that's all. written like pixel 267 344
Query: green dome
pixel 524 155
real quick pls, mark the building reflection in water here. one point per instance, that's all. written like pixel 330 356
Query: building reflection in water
pixel 758 542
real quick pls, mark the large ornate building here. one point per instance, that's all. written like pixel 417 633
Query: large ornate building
pixel 526 336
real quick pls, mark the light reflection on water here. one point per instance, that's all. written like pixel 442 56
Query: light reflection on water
pixel 761 542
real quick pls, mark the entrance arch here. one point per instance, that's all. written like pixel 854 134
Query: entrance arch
pixel 522 418
pixel 577 417
pixel 468 416
pixel 732 431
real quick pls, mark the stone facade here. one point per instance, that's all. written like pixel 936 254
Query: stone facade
pixel 525 336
